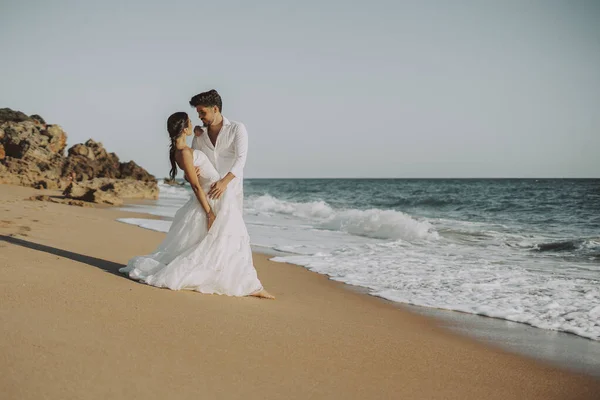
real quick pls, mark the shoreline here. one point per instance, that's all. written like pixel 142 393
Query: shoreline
pixel 558 348
pixel 548 346
pixel 63 319
pixel 552 347
pixel 561 349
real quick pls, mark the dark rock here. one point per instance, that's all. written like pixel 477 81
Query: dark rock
pixel 41 185
pixel 131 170
pixel 8 115
pixel 38 118
pixel 107 187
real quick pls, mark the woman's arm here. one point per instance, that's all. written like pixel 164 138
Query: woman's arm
pixel 185 159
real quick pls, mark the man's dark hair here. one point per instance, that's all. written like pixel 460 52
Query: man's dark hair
pixel 207 99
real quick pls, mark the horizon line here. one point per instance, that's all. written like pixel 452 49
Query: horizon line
pixel 438 178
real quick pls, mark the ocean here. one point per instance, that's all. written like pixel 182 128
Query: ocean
pixel 522 250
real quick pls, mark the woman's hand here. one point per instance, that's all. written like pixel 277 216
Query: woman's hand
pixel 210 218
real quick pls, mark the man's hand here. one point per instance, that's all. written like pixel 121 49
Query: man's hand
pixel 217 189
pixel 196 169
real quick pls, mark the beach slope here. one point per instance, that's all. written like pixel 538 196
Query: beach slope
pixel 73 328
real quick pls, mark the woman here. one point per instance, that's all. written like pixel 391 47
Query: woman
pixel 207 248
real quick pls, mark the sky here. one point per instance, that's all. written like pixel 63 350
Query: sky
pixel 332 89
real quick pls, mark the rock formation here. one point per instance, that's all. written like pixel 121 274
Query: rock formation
pixel 32 154
pixel 30 151
pixel 111 191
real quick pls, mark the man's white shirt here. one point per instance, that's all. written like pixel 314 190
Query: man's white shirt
pixel 228 154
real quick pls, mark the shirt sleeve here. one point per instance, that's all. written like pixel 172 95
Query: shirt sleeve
pixel 196 143
pixel 240 144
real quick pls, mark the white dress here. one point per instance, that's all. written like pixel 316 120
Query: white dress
pixel 218 261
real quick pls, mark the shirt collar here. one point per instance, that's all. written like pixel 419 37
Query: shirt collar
pixel 226 122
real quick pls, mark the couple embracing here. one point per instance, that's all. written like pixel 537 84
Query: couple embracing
pixel 207 248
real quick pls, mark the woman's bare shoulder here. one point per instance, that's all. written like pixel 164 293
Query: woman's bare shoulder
pixel 181 155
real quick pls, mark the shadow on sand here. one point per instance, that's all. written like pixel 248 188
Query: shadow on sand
pixel 105 265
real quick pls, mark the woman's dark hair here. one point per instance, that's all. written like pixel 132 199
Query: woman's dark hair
pixel 207 99
pixel 176 123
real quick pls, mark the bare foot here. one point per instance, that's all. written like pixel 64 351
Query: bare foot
pixel 263 294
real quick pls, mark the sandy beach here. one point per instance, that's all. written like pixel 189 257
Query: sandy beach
pixel 74 328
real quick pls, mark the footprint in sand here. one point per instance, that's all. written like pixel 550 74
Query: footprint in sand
pixel 23 230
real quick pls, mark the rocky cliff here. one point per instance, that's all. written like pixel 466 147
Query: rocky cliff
pixel 32 153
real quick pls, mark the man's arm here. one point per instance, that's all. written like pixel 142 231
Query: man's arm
pixel 240 148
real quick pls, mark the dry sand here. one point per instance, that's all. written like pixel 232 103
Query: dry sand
pixel 73 328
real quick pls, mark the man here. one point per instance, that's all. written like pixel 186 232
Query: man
pixel 225 143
